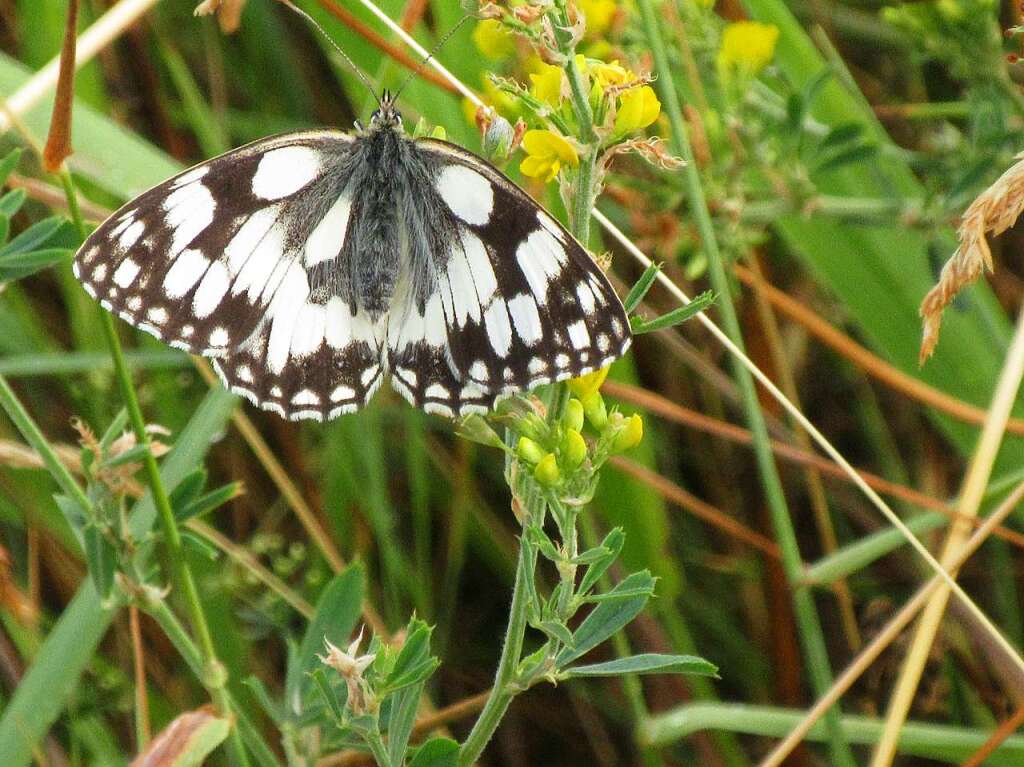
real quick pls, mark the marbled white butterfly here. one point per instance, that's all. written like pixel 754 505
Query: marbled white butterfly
pixel 310 266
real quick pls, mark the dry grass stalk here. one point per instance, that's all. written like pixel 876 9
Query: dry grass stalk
pixel 995 210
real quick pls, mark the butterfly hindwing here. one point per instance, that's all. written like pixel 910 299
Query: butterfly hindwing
pixel 516 300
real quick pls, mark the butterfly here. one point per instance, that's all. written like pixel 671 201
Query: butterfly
pixel 311 266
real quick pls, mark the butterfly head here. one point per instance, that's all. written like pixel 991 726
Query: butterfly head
pixel 386 116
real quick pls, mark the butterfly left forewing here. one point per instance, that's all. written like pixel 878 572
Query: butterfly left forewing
pixel 517 302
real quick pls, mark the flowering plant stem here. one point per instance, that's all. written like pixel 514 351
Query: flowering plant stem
pixel 807 620
pixel 213 675
pixel 506 685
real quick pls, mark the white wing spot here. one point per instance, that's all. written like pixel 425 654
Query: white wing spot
pixel 326 240
pixel 541 258
pixel 99 274
pixel 135 303
pixel 603 342
pixel 562 361
pixel 525 318
pixel 537 365
pixel 478 370
pixel 126 273
pixel 219 337
pixel 310 330
pixel 467 193
pixel 211 290
pixel 578 335
pixel 369 374
pixel 617 326
pixel 342 392
pixel 479 266
pixel 306 397
pixel 586 298
pixel 283 172
pixel 131 235
pixel 187 331
pixel 499 330
pixel 191 217
pixel 185 273
pixel 275 391
pixel 438 391
pixel 247 242
pixel 244 373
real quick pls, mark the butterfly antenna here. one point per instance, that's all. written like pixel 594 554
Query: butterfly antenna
pixel 419 68
pixel 352 65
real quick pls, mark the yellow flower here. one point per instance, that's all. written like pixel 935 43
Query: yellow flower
pixel 492 39
pixel 587 384
pixel 638 108
pixel 546 153
pixel 747 47
pixel 632 431
pixel 547 84
pixel 599 15
pixel 611 73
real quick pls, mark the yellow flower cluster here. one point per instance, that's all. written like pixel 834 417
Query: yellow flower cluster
pixel 635 108
pixel 546 153
pixel 747 48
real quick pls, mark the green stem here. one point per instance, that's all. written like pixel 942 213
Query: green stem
pixel 213 675
pixel 377 748
pixel 583 202
pixel 809 625
pixel 503 691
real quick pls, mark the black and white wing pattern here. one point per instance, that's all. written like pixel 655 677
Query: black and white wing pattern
pixel 222 260
pixel 515 300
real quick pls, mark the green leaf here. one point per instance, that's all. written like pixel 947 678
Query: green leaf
pixel 610 616
pixel 134 454
pixel 11 202
pixel 641 287
pixel 212 500
pixel 612 543
pixel 187 741
pixel 188 490
pixel 674 317
pixel 841 134
pixel 114 430
pixel 8 164
pixel 539 538
pixel 413 658
pixel 849 156
pixel 33 237
pixel 335 704
pixel 101 557
pixel 557 630
pixel 337 611
pixel 650 663
pixel 401 718
pixel 17 266
pixel 200 545
pixel 439 752
pixel 74 514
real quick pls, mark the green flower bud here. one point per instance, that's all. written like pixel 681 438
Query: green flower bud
pixel 596 412
pixel 574 449
pixel 498 139
pixel 532 425
pixel 476 429
pixel 547 472
pixel 573 418
pixel 529 451
pixel 629 435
